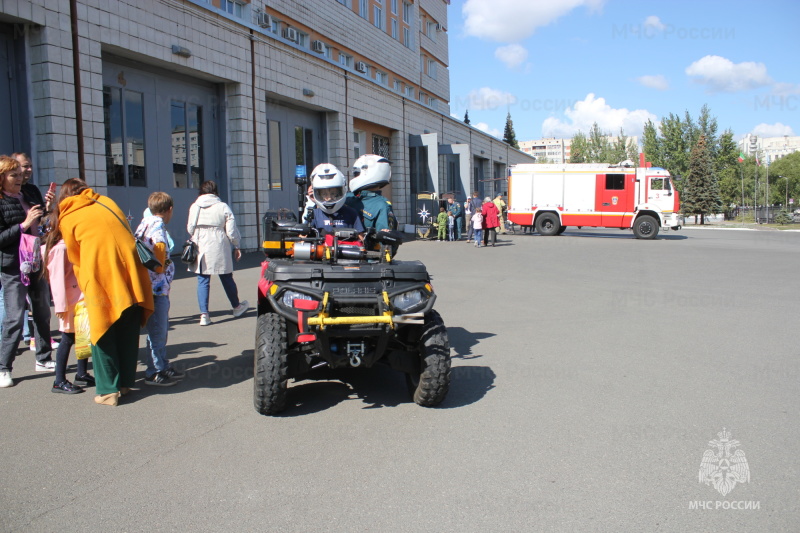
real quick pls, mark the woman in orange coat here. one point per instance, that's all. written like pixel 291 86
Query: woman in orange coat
pixel 116 286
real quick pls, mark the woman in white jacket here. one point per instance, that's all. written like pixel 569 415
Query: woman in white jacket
pixel 213 227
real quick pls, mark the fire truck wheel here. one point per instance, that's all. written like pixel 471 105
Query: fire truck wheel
pixel 429 387
pixel 547 224
pixel 645 227
pixel 561 230
pixel 270 365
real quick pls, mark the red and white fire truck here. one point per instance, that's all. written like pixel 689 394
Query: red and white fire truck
pixel 552 197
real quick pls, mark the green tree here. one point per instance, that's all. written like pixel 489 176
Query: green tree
pixel 579 148
pixel 784 178
pixel 651 143
pixel 599 145
pixel 509 137
pixel 701 191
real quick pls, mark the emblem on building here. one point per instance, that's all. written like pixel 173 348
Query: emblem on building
pixel 723 467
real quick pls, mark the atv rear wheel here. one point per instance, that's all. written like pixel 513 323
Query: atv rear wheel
pixel 270 365
pixel 430 386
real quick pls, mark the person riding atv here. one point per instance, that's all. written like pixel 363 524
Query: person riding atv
pixel 326 301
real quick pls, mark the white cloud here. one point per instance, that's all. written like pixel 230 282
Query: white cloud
pixel 488 98
pixel 654 24
pixel 773 130
pixel 722 75
pixel 484 127
pixel 786 89
pixel 654 82
pixel 512 55
pixel 590 110
pixel 512 21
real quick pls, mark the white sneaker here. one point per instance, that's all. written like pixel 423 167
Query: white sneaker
pixel 47 366
pixel 241 309
pixel 5 379
pixel 204 319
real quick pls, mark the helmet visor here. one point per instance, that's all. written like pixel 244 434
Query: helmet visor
pixel 330 194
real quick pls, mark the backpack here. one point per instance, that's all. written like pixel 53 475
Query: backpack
pixel 30 257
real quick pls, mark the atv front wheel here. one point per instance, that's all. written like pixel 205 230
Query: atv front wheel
pixel 270 365
pixel 430 386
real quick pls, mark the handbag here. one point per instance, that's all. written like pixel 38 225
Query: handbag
pixel 145 254
pixel 189 253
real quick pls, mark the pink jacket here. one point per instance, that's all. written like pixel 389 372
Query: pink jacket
pixel 490 215
pixel 63 286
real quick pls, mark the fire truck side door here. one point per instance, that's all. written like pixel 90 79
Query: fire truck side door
pixel 613 197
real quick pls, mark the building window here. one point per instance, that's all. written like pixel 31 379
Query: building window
pixel 358 143
pixel 363 9
pixel 304 148
pixel 380 145
pixel 232 8
pixel 394 28
pixel 345 60
pixel 422 97
pixel 432 103
pixel 407 13
pixel 274 150
pixel 276 27
pixel 187 145
pixel 394 7
pixel 328 52
pixel 123 116
pixel 407 37
pixel 432 68
pixel 381 77
pixel 377 16
pixel 409 91
pixel 397 86
pixel 302 40
pixel 431 30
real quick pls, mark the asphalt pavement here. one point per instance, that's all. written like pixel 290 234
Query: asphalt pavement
pixel 591 371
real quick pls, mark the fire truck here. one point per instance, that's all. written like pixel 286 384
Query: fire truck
pixel 552 197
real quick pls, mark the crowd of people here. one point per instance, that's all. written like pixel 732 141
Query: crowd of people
pixel 483 220
pixel 77 248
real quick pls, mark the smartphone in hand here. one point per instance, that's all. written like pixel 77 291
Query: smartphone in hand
pixel 52 187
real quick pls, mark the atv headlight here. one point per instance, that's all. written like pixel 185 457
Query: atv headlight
pixel 409 302
pixel 289 296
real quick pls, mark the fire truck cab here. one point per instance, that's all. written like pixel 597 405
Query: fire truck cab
pixel 553 197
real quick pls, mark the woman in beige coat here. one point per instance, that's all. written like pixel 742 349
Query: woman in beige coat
pixel 213 228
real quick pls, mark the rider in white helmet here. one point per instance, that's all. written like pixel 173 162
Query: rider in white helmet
pixel 370 174
pixel 329 190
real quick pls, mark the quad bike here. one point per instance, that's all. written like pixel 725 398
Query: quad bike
pixel 324 303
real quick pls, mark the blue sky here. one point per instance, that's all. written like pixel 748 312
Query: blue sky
pixel 560 65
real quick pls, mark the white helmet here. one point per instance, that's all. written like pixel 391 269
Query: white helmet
pixel 370 170
pixel 330 187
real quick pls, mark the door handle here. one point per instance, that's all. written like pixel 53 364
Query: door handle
pixel 606 203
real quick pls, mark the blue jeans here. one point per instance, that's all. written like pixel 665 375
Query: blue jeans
pixel 157 332
pixel 478 235
pixel 204 286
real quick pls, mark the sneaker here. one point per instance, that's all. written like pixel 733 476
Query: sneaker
pixel 65 387
pixel 84 381
pixel 171 373
pixel 241 309
pixel 5 379
pixel 53 344
pixel 204 319
pixel 159 379
pixel 47 366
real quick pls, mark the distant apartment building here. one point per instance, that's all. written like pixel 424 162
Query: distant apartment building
pixel 553 150
pixel 141 96
pixel 769 148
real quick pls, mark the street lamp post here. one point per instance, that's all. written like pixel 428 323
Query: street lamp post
pixel 786 204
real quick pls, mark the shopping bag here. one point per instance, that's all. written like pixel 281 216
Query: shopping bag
pixel 83 342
